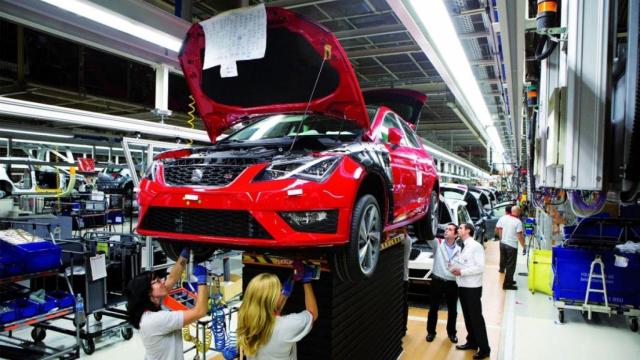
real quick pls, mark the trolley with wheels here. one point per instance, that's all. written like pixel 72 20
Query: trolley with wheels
pixel 103 297
pixel 592 276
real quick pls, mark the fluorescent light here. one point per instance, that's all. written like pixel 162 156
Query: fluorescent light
pixel 118 21
pixel 30 110
pixel 81 146
pixel 443 37
pixel 47 134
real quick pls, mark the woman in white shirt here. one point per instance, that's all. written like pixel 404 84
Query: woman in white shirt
pixel 263 334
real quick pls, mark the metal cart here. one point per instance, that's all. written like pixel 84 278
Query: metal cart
pixel 103 297
pixel 37 347
pixel 586 277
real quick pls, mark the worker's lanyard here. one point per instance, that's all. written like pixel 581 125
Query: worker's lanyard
pixel 453 254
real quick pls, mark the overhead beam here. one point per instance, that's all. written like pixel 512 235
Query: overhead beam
pixel 292 4
pixel 32 110
pixel 512 22
pixel 442 126
pixel 53 20
pixel 473 35
pixel 369 31
pixel 422 87
pixel 356 54
pixel 483 62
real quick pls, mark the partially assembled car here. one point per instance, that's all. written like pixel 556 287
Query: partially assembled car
pixel 316 168
pixel 28 176
pixel 421 256
pixel 473 206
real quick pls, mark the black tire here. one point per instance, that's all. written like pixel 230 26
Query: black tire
pixel 88 346
pixel 427 227
pixel 366 237
pixel 633 324
pixel 561 316
pixel 97 316
pixel 127 333
pixel 38 334
pixel 173 249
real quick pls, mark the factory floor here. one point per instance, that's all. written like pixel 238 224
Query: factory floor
pixel 520 325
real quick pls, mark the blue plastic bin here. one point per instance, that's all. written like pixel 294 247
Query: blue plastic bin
pixel 24 308
pixel 10 267
pixel 49 304
pixel 35 256
pixel 7 314
pixel 571 273
pixel 62 298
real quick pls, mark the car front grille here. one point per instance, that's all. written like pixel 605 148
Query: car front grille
pixel 417 273
pixel 207 222
pixel 204 171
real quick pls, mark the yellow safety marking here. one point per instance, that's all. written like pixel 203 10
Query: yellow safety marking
pixel 279 261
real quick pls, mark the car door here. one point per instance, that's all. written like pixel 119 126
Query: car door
pixel 425 171
pixel 403 168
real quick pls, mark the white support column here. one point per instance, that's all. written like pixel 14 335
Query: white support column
pixel 162 91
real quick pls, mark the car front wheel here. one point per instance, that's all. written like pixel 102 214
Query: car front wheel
pixel 358 260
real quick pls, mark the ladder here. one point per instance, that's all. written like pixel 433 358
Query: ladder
pixel 588 307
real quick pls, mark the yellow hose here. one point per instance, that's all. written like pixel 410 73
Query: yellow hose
pixel 192 117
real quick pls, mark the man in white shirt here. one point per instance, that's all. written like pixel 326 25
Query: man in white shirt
pixel 507 212
pixel 468 269
pixel 509 229
pixel 443 282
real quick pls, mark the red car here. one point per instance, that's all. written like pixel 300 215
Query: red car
pixel 311 167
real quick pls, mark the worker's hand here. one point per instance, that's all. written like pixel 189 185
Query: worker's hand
pixel 302 272
pixel 455 271
pixel 185 252
pixel 308 274
pixel 200 273
pixel 287 287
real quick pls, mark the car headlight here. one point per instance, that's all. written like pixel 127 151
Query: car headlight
pixel 321 221
pixel 315 169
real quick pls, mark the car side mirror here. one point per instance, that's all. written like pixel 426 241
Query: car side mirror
pixel 395 136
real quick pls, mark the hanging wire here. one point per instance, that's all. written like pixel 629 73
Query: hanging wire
pixel 192 117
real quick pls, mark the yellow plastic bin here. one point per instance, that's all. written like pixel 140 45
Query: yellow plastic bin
pixel 540 272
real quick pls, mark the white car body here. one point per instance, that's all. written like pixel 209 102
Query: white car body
pixel 24 178
pixel 421 264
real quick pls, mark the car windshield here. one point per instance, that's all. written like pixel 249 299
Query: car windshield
pixel 285 125
pixel 453 194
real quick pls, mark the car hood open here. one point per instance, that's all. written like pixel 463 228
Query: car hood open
pixel 280 82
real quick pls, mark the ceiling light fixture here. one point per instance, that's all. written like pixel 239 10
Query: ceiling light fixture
pixel 37 133
pixel 443 43
pixel 118 21
pixel 59 114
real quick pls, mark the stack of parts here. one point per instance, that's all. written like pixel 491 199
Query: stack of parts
pixel 22 252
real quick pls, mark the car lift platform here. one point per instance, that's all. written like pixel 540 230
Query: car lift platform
pixel 357 320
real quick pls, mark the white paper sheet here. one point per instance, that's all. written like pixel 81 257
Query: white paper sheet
pixel 98 267
pixel 234 35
